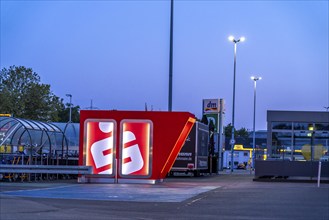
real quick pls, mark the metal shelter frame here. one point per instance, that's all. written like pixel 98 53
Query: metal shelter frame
pixel 33 135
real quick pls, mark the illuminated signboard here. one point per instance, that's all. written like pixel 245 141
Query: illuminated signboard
pixel 211 105
pixel 135 148
pixel 100 145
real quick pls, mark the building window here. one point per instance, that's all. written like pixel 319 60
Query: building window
pixel 302 126
pixel 281 145
pixel 281 125
pixel 301 144
pixel 321 142
pixel 322 126
pixel 304 137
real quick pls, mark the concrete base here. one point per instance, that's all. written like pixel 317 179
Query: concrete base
pixel 286 168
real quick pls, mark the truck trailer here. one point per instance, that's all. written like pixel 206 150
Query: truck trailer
pixel 193 157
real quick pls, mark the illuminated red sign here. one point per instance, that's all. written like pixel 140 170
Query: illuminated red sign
pixel 135 148
pixel 132 144
pixel 100 145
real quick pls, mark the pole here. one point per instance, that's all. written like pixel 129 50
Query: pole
pixel 233 108
pixel 171 56
pixel 70 115
pixel 319 173
pixel 254 131
pixel 312 153
pixel 220 136
pixel 70 108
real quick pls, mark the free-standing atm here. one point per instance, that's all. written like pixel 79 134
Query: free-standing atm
pixel 131 146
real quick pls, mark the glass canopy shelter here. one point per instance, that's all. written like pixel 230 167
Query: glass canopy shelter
pixel 34 139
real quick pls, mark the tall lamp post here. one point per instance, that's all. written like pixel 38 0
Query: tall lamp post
pixel 70 117
pixel 171 55
pixel 255 79
pixel 232 141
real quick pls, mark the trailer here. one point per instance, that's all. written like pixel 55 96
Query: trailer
pixel 241 158
pixel 193 157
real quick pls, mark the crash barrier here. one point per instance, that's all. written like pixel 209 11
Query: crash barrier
pixel 23 159
pixel 285 168
pixel 40 160
pixel 29 172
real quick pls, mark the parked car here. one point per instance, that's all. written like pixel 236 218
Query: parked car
pixel 242 166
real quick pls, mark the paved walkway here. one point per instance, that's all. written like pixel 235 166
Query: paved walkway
pixel 224 196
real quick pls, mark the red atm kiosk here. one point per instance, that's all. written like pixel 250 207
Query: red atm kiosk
pixel 131 146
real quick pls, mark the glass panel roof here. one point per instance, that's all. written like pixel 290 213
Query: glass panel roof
pixel 23 132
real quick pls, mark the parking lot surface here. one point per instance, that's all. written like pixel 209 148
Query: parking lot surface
pixel 223 196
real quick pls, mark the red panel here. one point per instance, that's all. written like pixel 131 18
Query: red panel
pixel 99 145
pixel 135 148
pixel 170 130
pixel 178 146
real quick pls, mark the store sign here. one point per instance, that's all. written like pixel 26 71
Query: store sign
pixel 214 119
pixel 211 105
pixel 132 144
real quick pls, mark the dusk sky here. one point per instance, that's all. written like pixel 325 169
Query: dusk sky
pixel 116 53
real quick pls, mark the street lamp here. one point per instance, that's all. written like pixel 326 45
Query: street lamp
pixel 69 95
pixel 232 141
pixel 255 79
pixel 171 55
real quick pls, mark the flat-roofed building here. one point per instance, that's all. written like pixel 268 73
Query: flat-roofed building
pixel 297 135
pixel 297 145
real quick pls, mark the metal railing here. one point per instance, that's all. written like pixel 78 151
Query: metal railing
pixel 45 169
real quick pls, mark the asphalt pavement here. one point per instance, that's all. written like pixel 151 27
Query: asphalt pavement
pixel 222 196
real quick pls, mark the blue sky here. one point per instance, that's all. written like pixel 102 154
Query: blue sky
pixel 116 53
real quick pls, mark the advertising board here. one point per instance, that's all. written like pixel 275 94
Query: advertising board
pixel 100 145
pixel 136 148
pixel 211 106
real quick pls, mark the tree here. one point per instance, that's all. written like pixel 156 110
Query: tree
pixel 242 132
pixel 211 138
pixel 204 120
pixel 23 96
pixel 65 112
pixel 228 130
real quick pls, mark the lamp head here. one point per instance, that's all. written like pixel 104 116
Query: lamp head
pixel 255 78
pixel 231 38
pixel 241 39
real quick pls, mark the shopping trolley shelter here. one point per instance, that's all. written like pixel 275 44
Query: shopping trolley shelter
pixel 40 145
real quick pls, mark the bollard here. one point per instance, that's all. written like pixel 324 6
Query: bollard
pixel 319 173
pixel 116 173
